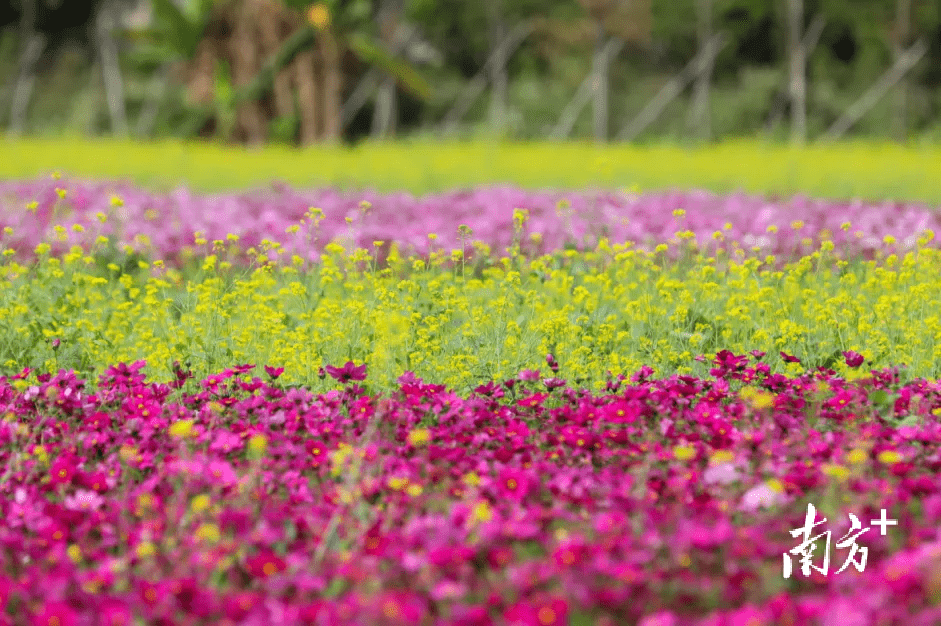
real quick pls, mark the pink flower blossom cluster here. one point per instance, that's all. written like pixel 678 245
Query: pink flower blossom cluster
pixel 169 220
pixel 235 500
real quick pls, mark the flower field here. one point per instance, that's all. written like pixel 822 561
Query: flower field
pixel 494 406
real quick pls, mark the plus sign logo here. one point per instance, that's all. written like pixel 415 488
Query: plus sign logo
pixel 857 554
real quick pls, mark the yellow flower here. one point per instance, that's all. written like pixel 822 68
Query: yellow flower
pixel 127 453
pixel 319 16
pixel 75 553
pixel 397 483
pixel 200 503
pixel 145 549
pixel 257 445
pixel 40 453
pixel 182 429
pixel 757 398
pixel 684 453
pixel 482 512
pixel 208 532
pixel 857 456
pixel 835 471
pixel 419 437
pixel 722 456
pixel 889 457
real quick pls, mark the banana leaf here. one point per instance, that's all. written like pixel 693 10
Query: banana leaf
pixel 179 31
pixel 373 54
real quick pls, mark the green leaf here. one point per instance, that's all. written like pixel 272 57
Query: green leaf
pixel 370 52
pixel 223 85
pixel 879 397
pixel 146 55
pixel 180 32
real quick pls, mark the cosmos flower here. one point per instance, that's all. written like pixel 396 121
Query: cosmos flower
pixel 349 372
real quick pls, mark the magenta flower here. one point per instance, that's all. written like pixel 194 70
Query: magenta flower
pixel 264 564
pixel 853 359
pixel 553 612
pixel 55 614
pixel 115 613
pixel 274 372
pixel 61 471
pixel 240 604
pixel 528 376
pixel 789 358
pixel 661 618
pixel 513 484
pixel 348 372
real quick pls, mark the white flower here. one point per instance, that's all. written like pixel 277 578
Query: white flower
pixel 762 496
pixel 723 474
pixel 84 500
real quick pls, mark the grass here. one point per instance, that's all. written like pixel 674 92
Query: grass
pixel 872 171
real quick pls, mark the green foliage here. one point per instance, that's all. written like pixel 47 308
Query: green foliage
pixel 369 52
pixel 176 32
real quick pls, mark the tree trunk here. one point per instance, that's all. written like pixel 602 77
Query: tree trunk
pixel 250 120
pixel 499 81
pixel 332 87
pixel 309 98
pixel 271 38
pixel 902 34
pixel 33 43
pixel 700 119
pixel 600 84
pixel 385 114
pixel 798 66
pixel 104 24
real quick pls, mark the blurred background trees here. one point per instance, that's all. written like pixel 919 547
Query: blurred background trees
pixel 302 72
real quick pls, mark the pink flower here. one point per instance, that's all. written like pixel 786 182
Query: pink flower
pixel 264 564
pixel 240 604
pixel 787 358
pixel 513 484
pixel 225 441
pixel 761 496
pixel 84 501
pixel 55 614
pixel 115 613
pixel 348 372
pixel 661 618
pixel 528 376
pixel 722 474
pixel 61 471
pixel 222 473
pixel 853 359
pixel 552 612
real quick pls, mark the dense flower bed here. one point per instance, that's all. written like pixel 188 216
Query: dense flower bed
pixel 167 222
pixel 530 502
